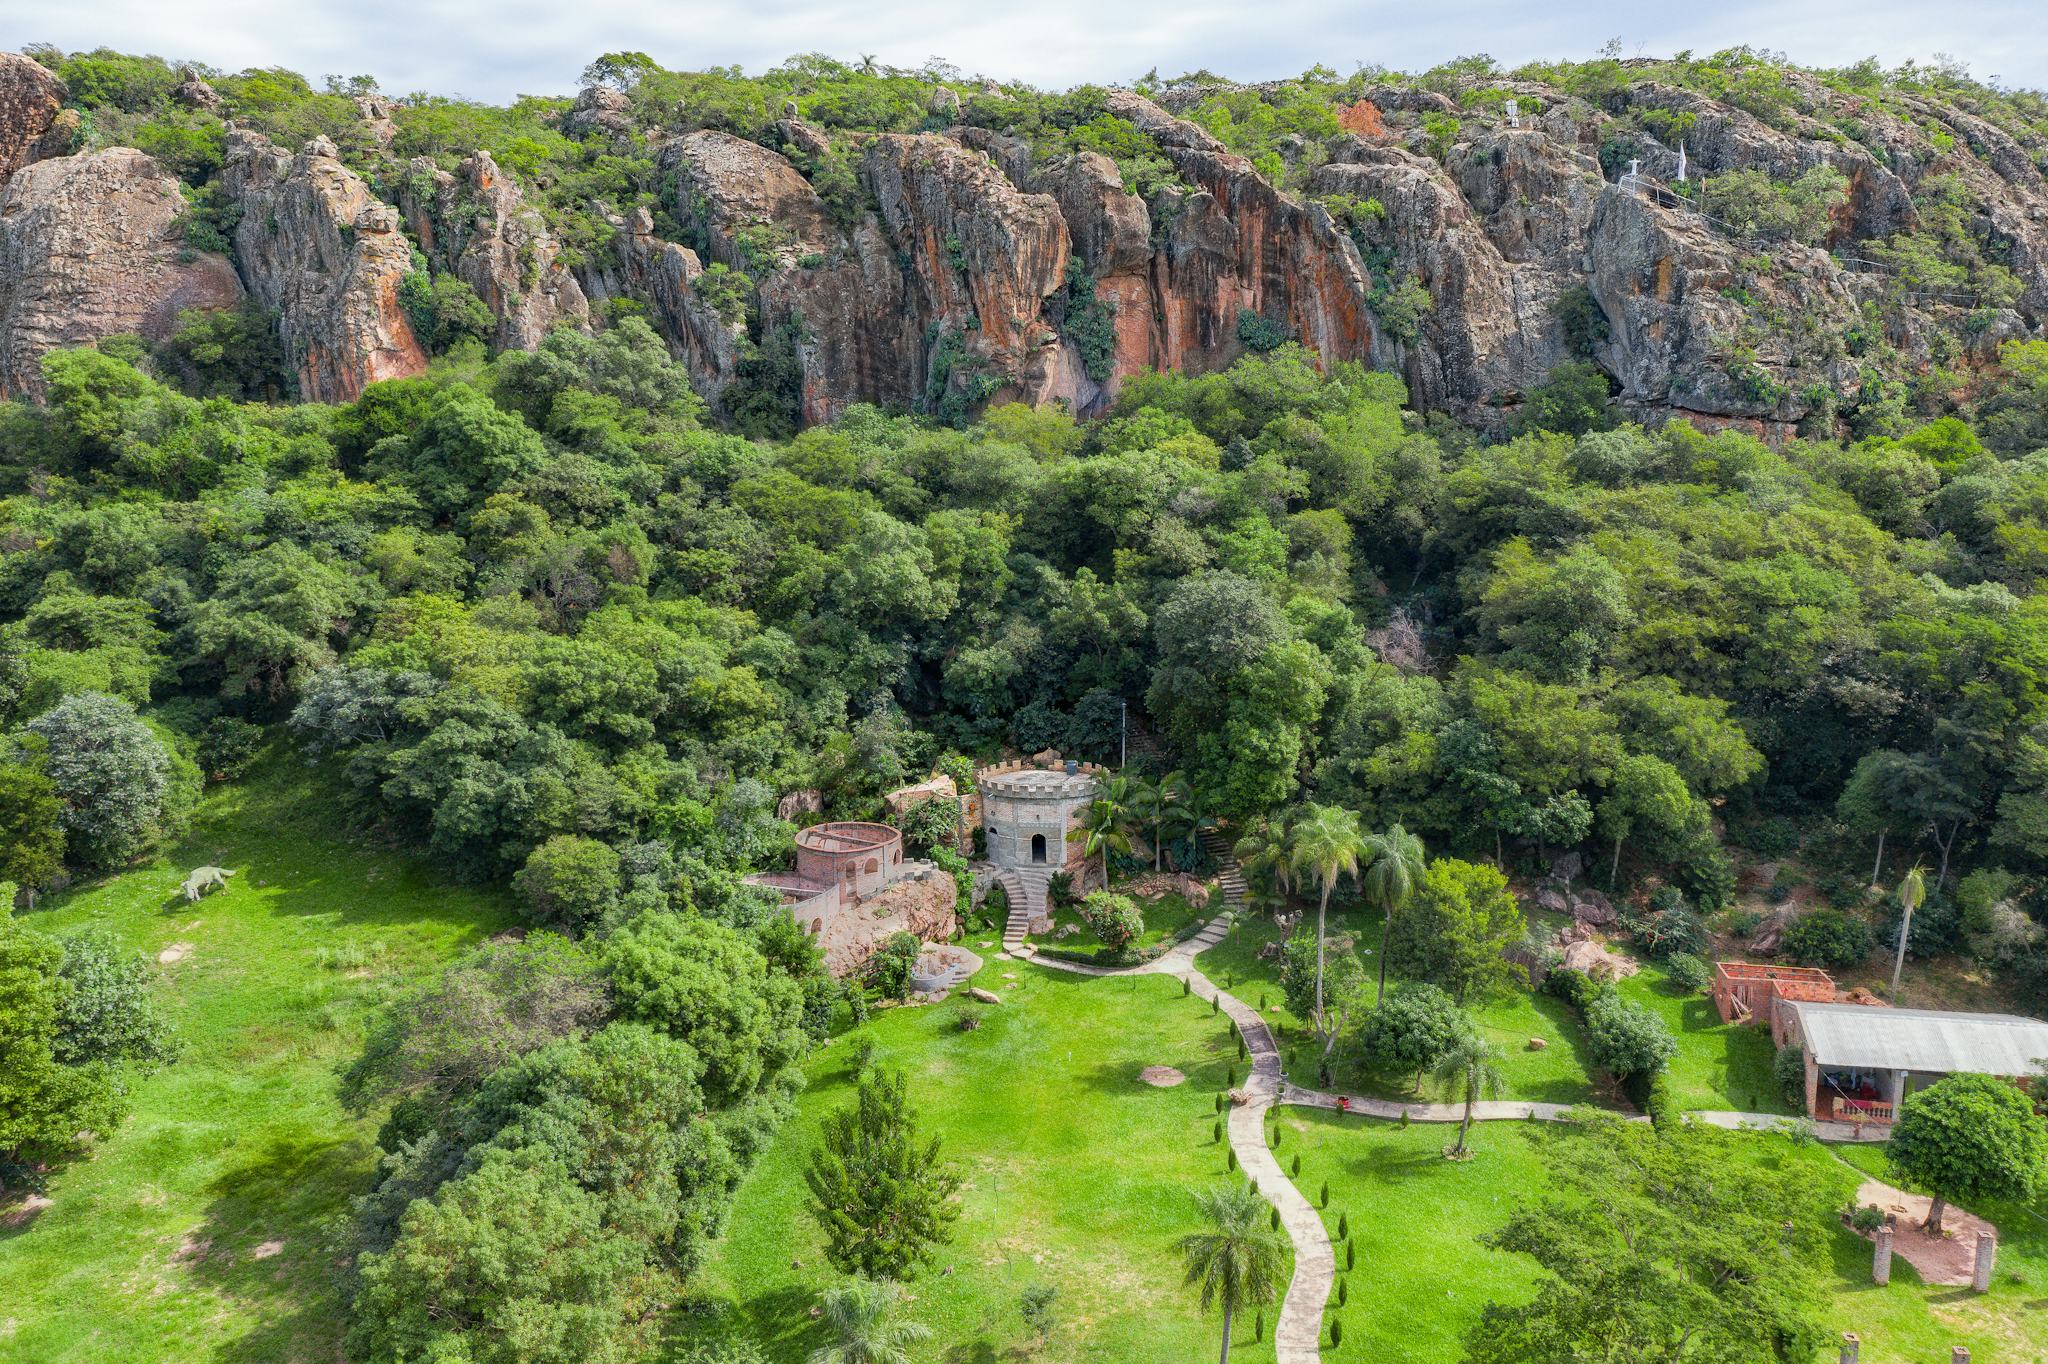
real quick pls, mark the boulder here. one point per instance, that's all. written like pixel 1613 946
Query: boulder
pixel 1591 907
pixel 600 109
pixel 476 225
pixel 379 118
pixel 985 996
pixel 807 801
pixel 920 904
pixel 194 93
pixel 30 96
pixel 90 246
pixel 327 256
pixel 1537 1044
pixel 1551 899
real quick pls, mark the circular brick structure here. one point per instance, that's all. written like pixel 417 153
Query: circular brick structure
pixel 857 857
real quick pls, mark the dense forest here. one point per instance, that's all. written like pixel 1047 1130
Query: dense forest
pixel 551 617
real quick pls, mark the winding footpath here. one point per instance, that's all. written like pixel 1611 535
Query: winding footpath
pixel 1297 1338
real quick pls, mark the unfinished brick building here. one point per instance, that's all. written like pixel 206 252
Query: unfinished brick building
pixel 838 865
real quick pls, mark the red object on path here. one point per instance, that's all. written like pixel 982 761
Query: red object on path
pixel 1343 1104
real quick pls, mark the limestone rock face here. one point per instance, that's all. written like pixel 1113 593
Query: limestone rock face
pixel 315 245
pixel 662 275
pixel 90 247
pixel 984 257
pixel 476 225
pixel 29 99
pixel 839 296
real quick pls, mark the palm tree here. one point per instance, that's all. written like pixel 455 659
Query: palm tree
pixel 1237 1260
pixel 1912 893
pixel 1143 806
pixel 1394 864
pixel 1325 843
pixel 861 1313
pixel 1262 856
pixel 1181 813
pixel 1102 825
pixel 1470 1067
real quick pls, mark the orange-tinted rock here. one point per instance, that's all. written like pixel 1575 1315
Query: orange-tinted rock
pixel 315 245
pixel 90 247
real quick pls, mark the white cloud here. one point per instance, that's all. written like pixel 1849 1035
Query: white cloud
pixel 496 50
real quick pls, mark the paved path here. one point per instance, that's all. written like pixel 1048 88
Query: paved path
pixel 1297 1339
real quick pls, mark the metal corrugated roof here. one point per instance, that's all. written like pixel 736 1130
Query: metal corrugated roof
pixel 1871 1038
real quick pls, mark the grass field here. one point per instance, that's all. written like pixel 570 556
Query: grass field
pixel 1422 1278
pixel 1078 1175
pixel 1717 1066
pixel 1163 918
pixel 1908 1320
pixel 204 1228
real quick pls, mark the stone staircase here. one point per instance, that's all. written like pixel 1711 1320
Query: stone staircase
pixel 1027 890
pixel 1230 882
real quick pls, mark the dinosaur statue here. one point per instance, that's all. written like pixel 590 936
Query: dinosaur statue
pixel 205 879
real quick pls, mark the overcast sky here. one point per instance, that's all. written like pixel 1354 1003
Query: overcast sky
pixel 494 49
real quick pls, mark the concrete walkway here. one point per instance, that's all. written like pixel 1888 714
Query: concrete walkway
pixel 1298 1334
pixel 1297 1338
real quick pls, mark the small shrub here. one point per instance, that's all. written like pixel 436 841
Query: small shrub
pixel 1689 972
pixel 1343 1226
pixel 1827 938
pixel 227 747
pixel 1295 1168
pixel 1258 332
pixel 1217 1134
pixel 1788 1072
pixel 1627 1039
pixel 1233 1162
pixel 1323 1196
pixel 1867 1219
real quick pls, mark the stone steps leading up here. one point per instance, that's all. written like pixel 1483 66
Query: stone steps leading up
pixel 1028 892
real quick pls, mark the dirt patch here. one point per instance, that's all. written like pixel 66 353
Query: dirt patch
pixel 1950 1258
pixel 16 1215
pixel 174 954
pixel 191 1250
pixel 267 1249
pixel 1162 1077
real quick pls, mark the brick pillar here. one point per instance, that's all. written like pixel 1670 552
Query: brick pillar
pixel 1987 1255
pixel 1852 1347
pixel 1881 1258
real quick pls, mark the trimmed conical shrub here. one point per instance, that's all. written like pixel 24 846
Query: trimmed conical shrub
pixel 1233 1161
pixel 1336 1333
pixel 1217 1135
pixel 1343 1226
pixel 1295 1169
pixel 1323 1198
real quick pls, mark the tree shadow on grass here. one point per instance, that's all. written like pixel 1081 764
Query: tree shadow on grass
pixel 268 1243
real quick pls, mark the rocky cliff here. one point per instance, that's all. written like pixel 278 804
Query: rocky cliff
pixel 476 225
pixel 90 247
pixel 316 247
pixel 1469 247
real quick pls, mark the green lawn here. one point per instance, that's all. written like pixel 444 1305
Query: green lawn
pixel 1422 1278
pixel 1909 1321
pixel 204 1228
pixel 1077 1175
pixel 1163 918
pixel 1717 1066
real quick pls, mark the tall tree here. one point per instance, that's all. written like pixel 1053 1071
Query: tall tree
pixel 1235 1260
pixel 1469 1071
pixel 1659 1248
pixel 1969 1137
pixel 1325 844
pixel 1395 862
pixel 881 1192
pixel 1912 891
pixel 862 1314
pixel 1455 928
